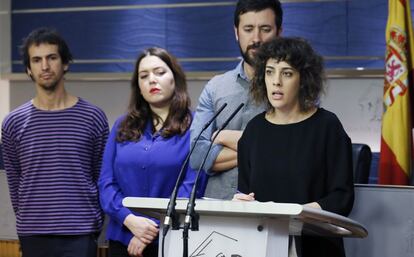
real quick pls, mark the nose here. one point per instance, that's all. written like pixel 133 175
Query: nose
pixel 257 37
pixel 276 80
pixel 152 78
pixel 45 64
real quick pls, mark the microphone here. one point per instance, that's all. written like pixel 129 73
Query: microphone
pixel 191 217
pixel 171 217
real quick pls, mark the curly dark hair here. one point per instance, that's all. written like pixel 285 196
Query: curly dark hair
pixel 44 36
pixel 298 53
pixel 139 112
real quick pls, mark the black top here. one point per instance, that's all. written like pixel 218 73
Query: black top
pixel 299 163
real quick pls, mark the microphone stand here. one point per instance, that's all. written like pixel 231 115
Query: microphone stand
pixel 191 217
pixel 171 217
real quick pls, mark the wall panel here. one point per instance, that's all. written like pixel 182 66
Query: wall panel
pixel 105 36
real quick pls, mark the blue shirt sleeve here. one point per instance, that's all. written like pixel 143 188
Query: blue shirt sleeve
pixel 184 191
pixel 109 191
pixel 204 112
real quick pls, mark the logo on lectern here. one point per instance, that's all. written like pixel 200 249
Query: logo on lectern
pixel 216 244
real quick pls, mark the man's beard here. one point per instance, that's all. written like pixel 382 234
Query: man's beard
pixel 249 59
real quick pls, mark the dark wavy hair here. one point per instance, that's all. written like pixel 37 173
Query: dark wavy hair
pixel 139 112
pixel 244 6
pixel 44 36
pixel 298 53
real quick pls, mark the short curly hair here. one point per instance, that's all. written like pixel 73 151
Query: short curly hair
pixel 299 54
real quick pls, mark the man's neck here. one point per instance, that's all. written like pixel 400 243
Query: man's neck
pixel 55 100
pixel 248 70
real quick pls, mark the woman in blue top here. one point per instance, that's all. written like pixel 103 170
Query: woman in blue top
pixel 145 151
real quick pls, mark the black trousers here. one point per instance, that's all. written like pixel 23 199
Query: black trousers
pixel 59 246
pixel 117 249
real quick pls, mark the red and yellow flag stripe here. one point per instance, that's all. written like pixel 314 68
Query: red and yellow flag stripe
pixel 396 136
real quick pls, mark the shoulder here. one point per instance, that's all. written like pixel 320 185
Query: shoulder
pixel 258 119
pixel 83 104
pixel 256 123
pixel 118 121
pixel 218 80
pixel 20 113
pixel 327 117
pixel 91 109
pixel 95 118
pixel 329 123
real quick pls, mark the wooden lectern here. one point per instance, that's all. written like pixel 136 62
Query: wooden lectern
pixel 245 229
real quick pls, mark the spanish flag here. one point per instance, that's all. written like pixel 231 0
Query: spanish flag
pixel 396 137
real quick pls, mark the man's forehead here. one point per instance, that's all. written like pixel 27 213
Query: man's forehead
pixel 43 49
pixel 263 17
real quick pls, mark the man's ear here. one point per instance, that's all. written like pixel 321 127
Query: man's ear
pixel 29 72
pixel 236 33
pixel 65 67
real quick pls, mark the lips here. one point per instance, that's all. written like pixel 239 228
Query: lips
pixel 154 90
pixel 277 95
pixel 46 76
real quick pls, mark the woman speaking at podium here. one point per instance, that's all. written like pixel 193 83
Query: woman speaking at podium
pixel 295 152
pixel 145 151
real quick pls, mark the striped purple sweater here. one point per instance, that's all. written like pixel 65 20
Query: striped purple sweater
pixel 52 161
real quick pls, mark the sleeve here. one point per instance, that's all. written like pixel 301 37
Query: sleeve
pixel 11 164
pixel 102 131
pixel 244 162
pixel 110 193
pixel 186 186
pixel 339 184
pixel 204 112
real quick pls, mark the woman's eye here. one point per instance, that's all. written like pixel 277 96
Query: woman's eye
pixel 160 73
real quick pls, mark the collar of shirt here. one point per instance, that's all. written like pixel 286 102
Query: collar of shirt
pixel 148 131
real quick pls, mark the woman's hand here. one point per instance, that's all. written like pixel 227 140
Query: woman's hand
pixel 144 229
pixel 314 205
pixel 136 247
pixel 243 197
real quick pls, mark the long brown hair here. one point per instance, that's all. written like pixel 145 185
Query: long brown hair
pixel 139 112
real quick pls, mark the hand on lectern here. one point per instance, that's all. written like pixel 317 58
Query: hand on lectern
pixel 243 197
pixel 144 229
pixel 314 205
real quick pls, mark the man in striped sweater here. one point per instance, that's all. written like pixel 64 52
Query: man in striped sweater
pixel 53 146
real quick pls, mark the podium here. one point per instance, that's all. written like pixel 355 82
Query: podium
pixel 240 229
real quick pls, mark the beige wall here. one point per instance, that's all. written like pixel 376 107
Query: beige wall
pixel 357 102
pixel 111 96
pixel 5 42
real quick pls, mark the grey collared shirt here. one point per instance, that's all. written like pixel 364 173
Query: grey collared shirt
pixel 232 88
